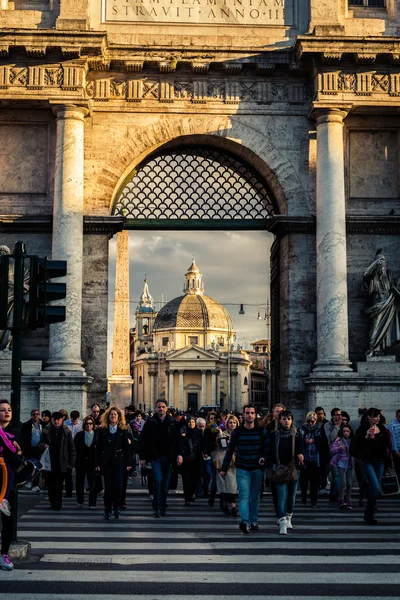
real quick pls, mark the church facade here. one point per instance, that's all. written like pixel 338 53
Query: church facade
pixel 185 353
pixel 287 110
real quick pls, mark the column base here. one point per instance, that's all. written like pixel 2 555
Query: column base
pixel 121 387
pixel 332 366
pixel 65 365
pixel 63 390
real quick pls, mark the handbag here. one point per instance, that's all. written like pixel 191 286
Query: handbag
pixel 389 485
pixel 283 473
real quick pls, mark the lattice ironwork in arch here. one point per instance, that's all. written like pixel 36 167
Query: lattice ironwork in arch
pixel 195 185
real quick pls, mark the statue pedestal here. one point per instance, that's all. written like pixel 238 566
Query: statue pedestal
pixel 120 390
pixel 375 382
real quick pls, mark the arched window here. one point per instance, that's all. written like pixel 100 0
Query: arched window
pixel 140 380
pixel 245 381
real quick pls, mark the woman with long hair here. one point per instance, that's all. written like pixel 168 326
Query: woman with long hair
pixel 226 486
pixel 113 457
pixel 311 471
pixel 371 445
pixel 285 447
pixel 191 459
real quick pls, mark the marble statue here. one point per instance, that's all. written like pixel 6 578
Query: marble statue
pixel 5 334
pixel 385 306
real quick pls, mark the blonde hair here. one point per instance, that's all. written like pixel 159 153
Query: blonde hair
pixel 105 421
pixel 310 415
pixel 231 418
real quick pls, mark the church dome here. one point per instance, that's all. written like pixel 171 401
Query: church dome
pixel 193 311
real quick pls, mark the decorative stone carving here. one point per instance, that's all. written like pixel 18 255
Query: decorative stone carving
pixel 66 77
pixel 359 84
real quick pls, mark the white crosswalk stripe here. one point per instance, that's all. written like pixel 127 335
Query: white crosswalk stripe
pixel 198 553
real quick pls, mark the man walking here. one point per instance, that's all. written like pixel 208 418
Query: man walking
pixel 31 432
pixel 394 429
pixel 248 443
pixel 58 438
pixel 161 444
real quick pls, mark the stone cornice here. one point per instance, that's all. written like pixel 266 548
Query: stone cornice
pixel 91 225
pixel 108 224
pixel 389 225
pixel 37 43
pixel 363 51
pixel 281 225
pixel 19 224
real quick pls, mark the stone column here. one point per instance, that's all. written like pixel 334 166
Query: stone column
pixel 233 392
pixel 171 388
pixel 181 390
pixel 121 380
pixel 4 4
pixel 213 386
pixel 67 243
pixel 167 388
pixel 332 318
pixel 203 388
pixel 217 387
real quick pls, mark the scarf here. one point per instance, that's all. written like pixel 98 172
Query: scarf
pixel 89 436
pixel 113 428
pixel 6 438
pixel 282 434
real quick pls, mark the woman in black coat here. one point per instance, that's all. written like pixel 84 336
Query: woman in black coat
pixel 371 445
pixel 192 458
pixel 113 457
pixel 85 446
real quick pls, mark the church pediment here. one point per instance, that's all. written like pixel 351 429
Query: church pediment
pixel 193 353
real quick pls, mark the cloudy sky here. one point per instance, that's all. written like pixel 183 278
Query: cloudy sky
pixel 234 265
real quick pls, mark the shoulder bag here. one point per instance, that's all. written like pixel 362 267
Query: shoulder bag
pixel 283 473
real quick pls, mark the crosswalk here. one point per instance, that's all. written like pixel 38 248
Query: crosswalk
pixel 198 553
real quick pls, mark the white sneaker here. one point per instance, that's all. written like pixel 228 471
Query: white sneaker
pixel 36 489
pixel 5 507
pixel 5 563
pixel 289 522
pixel 92 508
pixel 282 526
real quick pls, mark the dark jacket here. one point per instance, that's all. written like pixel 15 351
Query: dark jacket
pixel 66 454
pixel 85 455
pixel 369 449
pixel 25 437
pixel 112 452
pixel 152 433
pixel 191 444
pixel 285 449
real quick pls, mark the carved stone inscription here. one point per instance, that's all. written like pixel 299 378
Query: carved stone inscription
pixel 203 12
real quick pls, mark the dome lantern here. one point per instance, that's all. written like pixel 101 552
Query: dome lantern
pixel 193 283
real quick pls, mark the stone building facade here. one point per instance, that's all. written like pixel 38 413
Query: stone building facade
pixel 304 92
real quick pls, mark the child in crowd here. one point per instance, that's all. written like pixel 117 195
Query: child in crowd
pixel 344 462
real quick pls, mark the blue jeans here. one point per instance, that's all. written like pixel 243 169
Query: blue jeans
pixel 249 487
pixel 161 471
pixel 286 496
pixel 373 472
pixel 211 472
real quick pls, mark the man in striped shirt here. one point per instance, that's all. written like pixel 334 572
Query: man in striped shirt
pixel 248 444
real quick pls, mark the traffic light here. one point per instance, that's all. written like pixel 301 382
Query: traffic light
pixel 4 263
pixel 42 291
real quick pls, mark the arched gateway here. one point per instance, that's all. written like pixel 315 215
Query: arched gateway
pixel 188 186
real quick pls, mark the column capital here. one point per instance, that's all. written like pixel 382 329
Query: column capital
pixel 329 115
pixel 70 111
pixel 181 371
pixel 204 371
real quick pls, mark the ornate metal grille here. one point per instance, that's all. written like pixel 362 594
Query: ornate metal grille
pixel 194 183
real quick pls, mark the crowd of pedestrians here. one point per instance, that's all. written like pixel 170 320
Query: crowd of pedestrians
pixel 228 457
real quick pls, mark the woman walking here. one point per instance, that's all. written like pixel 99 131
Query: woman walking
pixel 372 446
pixel 310 473
pixel 344 462
pixel 85 447
pixel 191 460
pixel 226 486
pixel 285 449
pixel 113 457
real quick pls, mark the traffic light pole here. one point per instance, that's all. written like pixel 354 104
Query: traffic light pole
pixel 19 262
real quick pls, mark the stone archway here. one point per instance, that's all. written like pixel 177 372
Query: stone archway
pixel 231 134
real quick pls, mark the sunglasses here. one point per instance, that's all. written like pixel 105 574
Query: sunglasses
pixel 311 421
